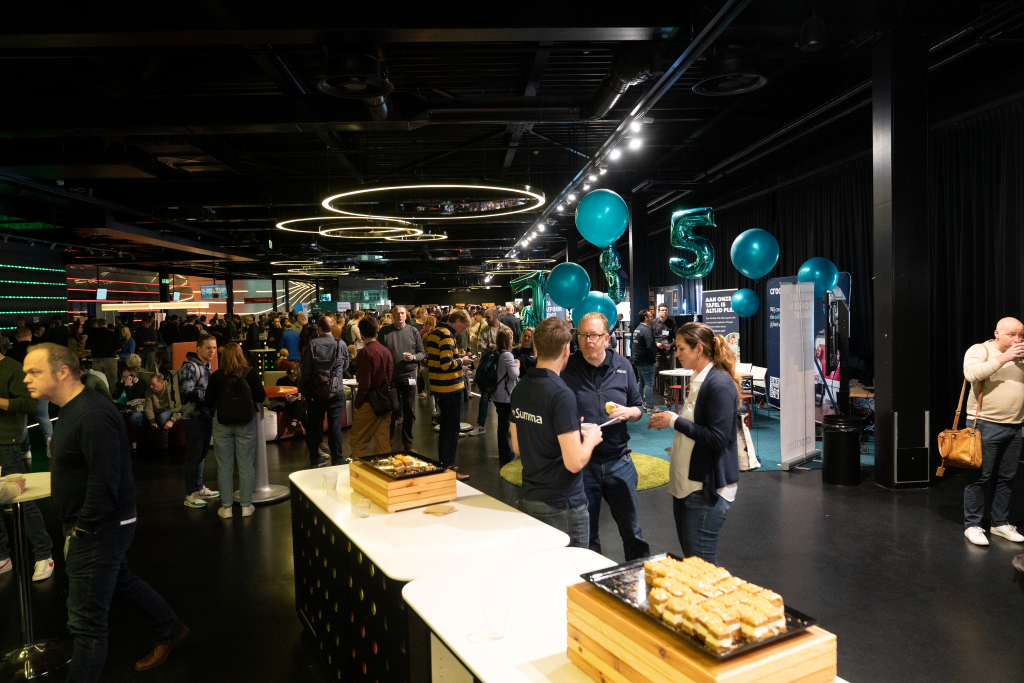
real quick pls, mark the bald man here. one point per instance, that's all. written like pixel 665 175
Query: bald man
pixel 996 370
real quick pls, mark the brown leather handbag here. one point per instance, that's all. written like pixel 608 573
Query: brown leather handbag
pixel 962 447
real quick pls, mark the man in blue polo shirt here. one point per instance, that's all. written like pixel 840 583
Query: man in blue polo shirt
pixel 546 435
pixel 598 377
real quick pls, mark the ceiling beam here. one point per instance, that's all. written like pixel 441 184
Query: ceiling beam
pixel 540 60
pixel 131 234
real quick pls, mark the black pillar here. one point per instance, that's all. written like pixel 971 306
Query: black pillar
pixel 902 286
pixel 639 280
pixel 165 284
pixel 229 282
pixel 287 297
pixel 316 284
pixel 572 251
pixel 273 293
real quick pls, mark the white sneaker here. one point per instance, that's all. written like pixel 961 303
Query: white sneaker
pixel 207 493
pixel 6 566
pixel 248 510
pixel 193 500
pixel 477 431
pixel 976 535
pixel 1007 531
pixel 224 512
pixel 43 571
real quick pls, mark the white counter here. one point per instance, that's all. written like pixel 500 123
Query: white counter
pixel 533 587
pixel 408 545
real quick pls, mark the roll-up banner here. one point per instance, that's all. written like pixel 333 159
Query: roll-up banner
pixel 716 307
pixel 796 363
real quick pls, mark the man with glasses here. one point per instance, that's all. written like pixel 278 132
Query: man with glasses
pixel 605 390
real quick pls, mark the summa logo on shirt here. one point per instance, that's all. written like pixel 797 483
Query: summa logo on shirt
pixel 529 417
pixel 621 372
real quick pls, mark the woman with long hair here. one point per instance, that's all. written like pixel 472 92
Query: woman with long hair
pixel 704 464
pixel 508 377
pixel 127 344
pixel 76 340
pixel 234 394
pixel 525 353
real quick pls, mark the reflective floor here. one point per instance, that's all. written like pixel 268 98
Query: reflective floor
pixel 890 574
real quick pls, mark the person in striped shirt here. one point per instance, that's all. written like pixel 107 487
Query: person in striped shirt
pixel 445 364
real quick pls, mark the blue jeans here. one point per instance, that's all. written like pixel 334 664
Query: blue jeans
pixel 138 420
pixel 646 385
pixel 615 481
pixel 11 462
pixel 1000 452
pixel 43 415
pixel 481 416
pixel 235 443
pixel 450 421
pixel 699 525
pixel 97 572
pixel 198 432
pixel 315 412
pixel 573 521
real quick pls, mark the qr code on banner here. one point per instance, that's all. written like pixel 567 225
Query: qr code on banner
pixel 775 389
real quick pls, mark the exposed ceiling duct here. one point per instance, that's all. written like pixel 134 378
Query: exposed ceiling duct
pixel 729 74
pixel 632 66
pixel 359 73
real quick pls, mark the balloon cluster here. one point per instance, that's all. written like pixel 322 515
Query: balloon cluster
pixel 682 237
pixel 601 217
pixel 754 253
pixel 822 272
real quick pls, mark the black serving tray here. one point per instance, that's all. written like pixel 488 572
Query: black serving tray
pixel 626 582
pixel 369 460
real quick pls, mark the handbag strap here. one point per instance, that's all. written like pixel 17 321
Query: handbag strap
pixel 981 396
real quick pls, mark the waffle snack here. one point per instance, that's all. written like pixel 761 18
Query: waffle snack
pixel 705 601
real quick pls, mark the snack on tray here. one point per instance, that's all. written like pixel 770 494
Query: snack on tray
pixel 705 601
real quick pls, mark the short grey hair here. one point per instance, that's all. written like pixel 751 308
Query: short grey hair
pixel 58 356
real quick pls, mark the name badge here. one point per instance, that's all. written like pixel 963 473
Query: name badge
pixel 412 381
pixel 664 333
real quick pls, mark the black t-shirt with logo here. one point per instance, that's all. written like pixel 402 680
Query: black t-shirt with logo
pixel 543 408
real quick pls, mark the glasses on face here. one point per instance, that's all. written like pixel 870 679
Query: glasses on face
pixel 591 338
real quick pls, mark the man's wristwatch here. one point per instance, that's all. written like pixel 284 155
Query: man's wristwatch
pixel 80 533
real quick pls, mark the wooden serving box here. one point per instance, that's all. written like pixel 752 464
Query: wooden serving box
pixel 401 494
pixel 609 643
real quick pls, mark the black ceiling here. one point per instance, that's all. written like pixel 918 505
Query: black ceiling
pixel 184 138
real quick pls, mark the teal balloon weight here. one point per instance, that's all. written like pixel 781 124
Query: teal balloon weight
pixel 745 303
pixel 754 253
pixel 568 285
pixel 822 272
pixel 681 237
pixel 596 302
pixel 602 217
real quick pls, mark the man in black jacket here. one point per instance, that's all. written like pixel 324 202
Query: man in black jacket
pixel 94 495
pixel 324 359
pixel 664 331
pixel 406 347
pixel 644 358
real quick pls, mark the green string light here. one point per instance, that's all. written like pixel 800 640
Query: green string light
pixel 32 297
pixel 52 270
pixel 29 282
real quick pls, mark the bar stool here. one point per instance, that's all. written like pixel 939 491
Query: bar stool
pixel 746 401
pixel 676 389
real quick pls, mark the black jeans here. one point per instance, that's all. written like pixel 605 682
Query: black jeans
pixel 97 572
pixel 198 433
pixel 505 452
pixel 315 412
pixel 406 409
pixel 450 406
pixel 1000 453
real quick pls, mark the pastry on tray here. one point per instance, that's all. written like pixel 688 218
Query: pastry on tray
pixel 707 602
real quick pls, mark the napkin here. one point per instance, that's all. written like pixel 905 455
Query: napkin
pixel 439 510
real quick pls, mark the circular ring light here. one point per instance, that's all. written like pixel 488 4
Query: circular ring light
pixel 521 261
pixel 316 226
pixel 517 271
pixel 441 206
pixel 368 233
pixel 425 237
pixel 382 279
pixel 410 284
pixel 296 263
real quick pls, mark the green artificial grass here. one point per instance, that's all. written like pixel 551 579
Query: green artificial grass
pixel 652 472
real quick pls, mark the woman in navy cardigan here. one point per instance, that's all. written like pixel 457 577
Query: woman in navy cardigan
pixel 704 469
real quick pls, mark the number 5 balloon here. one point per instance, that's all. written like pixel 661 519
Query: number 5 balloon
pixel 611 265
pixel 535 282
pixel 682 237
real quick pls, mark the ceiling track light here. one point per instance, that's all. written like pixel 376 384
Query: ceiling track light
pixel 591 177
pixel 636 126
pixel 635 143
pixel 559 208
pixel 602 171
pixel 615 154
pixel 572 197
pixel 586 186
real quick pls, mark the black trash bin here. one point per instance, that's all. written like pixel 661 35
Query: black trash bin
pixel 840 450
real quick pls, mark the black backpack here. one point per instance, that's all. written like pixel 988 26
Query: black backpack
pixel 234 403
pixel 322 385
pixel 487 372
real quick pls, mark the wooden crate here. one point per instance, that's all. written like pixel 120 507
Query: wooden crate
pixel 401 494
pixel 612 644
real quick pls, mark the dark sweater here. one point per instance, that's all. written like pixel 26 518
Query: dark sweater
pixel 217 379
pixel 714 459
pixel 91 469
pixel 12 387
pixel 644 348
pixel 375 368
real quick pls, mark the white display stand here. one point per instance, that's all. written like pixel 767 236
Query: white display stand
pixel 796 369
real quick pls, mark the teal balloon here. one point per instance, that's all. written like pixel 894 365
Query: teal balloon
pixel 611 265
pixel 745 303
pixel 682 237
pixel 602 217
pixel 754 253
pixel 596 302
pixel 822 272
pixel 568 285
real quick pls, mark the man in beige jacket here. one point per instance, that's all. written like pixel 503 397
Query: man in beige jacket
pixel 996 369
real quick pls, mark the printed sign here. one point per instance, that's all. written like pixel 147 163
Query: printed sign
pixel 554 310
pixel 716 307
pixel 796 332
pixel 258 300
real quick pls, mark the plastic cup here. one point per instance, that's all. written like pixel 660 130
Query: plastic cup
pixel 363 508
pixel 331 481
pixel 496 617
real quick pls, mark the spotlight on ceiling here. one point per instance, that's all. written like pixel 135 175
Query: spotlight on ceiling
pixel 603 171
pixel 540 228
pixel 812 35
pixel 635 143
pixel 559 208
pixel 586 186
pixel 572 197
pixel 636 126
pixel 591 177
pixel 615 154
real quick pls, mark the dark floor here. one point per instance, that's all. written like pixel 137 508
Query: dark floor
pixel 890 574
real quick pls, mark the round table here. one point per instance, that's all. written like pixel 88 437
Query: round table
pixel 36 657
pixel 265 492
pixel 685 375
pixel 351 383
